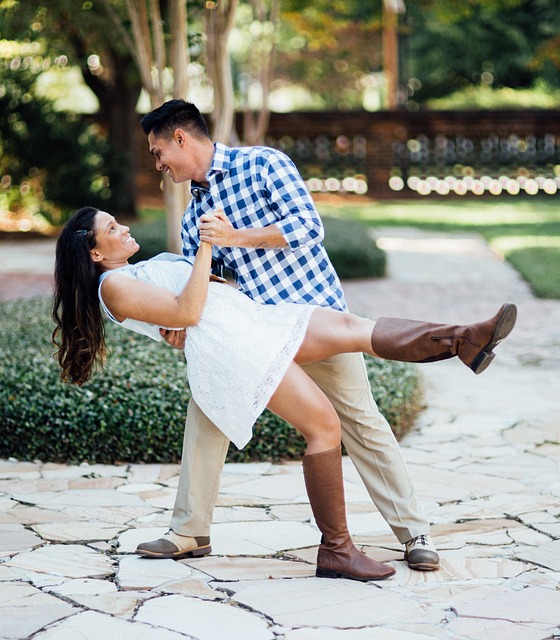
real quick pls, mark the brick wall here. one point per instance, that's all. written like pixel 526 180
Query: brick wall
pixel 378 153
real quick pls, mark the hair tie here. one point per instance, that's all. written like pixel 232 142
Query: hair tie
pixel 81 232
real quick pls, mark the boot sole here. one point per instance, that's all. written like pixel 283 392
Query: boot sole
pixel 424 566
pixel 504 327
pixel 329 573
pixel 178 555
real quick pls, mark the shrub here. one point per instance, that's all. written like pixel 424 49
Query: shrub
pixel 353 250
pixel 351 247
pixel 134 410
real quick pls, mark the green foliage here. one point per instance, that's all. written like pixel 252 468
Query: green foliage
pixel 457 45
pixel 539 96
pixel 55 156
pixel 151 236
pixel 327 50
pixel 352 249
pixel 134 410
pixel 81 37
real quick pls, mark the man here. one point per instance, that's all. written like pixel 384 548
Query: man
pixel 252 205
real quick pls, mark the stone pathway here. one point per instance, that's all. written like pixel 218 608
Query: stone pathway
pixel 485 459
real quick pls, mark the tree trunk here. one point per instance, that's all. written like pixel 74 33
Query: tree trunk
pixel 151 56
pixel 219 21
pixel 255 124
pixel 118 96
pixel 177 195
pixel 176 198
pixel 391 10
pixel 122 122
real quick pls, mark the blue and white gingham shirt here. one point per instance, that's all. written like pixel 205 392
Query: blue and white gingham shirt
pixel 258 187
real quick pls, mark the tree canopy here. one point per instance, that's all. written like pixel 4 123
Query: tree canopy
pixel 254 55
pixel 498 43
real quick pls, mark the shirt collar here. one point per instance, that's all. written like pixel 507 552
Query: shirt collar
pixel 221 160
pixel 220 164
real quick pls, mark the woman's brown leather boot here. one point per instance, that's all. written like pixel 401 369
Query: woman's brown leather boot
pixel 337 556
pixel 413 341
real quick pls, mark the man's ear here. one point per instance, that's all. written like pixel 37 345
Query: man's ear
pixel 179 136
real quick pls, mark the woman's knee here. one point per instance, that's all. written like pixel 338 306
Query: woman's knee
pixel 328 424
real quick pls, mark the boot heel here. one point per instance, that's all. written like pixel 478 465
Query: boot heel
pixel 325 573
pixel 482 360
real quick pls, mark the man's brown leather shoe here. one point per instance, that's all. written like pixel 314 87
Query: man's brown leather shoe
pixel 175 547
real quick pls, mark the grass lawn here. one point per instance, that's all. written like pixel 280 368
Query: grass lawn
pixel 526 231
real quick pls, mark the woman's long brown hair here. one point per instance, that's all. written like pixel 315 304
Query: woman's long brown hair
pixel 80 330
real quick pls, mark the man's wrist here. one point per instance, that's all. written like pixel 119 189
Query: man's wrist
pixel 264 238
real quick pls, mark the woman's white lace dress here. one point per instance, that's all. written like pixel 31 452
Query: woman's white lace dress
pixel 236 355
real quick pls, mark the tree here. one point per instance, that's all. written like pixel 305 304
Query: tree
pixel 454 45
pixel 50 162
pixel 331 49
pixel 78 31
pixel 219 18
pixel 147 47
pixel 258 23
pixel 154 51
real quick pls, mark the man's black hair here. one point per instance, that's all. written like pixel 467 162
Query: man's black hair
pixel 172 115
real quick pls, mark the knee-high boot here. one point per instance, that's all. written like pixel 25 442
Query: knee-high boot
pixel 337 556
pixel 413 341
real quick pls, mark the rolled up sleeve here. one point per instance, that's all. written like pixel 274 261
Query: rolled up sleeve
pixel 288 197
pixel 188 228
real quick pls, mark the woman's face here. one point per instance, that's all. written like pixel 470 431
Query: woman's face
pixel 114 243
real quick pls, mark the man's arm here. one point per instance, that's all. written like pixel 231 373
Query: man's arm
pixel 215 228
pixel 298 221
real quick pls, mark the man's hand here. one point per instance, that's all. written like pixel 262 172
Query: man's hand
pixel 175 337
pixel 216 229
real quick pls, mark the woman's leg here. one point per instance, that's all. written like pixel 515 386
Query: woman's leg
pixel 331 332
pixel 301 403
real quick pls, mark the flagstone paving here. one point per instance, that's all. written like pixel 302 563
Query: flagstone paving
pixel 484 457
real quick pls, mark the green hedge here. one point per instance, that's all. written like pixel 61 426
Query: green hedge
pixel 349 243
pixel 134 410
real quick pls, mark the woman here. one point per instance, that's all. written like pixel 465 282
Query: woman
pixel 243 356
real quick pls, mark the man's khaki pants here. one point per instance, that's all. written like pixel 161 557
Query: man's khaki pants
pixel 366 435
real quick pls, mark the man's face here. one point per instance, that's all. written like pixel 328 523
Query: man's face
pixel 172 155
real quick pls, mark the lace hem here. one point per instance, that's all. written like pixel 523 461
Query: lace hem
pixel 279 364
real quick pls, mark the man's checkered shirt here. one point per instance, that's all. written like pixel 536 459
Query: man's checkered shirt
pixel 257 187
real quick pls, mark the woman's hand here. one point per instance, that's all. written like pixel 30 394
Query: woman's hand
pixel 216 229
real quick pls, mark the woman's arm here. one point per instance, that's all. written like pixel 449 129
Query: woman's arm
pixel 126 297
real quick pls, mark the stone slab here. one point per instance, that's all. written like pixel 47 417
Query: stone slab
pixel 204 620
pixel 546 555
